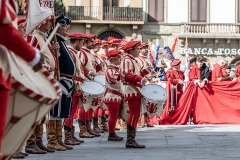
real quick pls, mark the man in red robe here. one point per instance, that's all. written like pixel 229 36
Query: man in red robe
pixel 217 74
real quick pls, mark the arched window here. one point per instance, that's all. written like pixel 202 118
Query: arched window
pixel 106 34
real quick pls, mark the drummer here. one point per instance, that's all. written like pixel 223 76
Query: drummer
pixel 76 42
pixel 175 76
pixel 89 66
pixel 113 95
pixel 19 47
pixel 145 62
pixel 99 69
pixel 102 53
pixel 133 79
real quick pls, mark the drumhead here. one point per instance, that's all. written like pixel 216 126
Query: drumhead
pixel 154 92
pixel 100 78
pixel 92 88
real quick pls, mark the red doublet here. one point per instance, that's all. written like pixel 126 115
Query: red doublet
pixel 216 72
pixel 113 95
pixel 132 74
pixel 174 76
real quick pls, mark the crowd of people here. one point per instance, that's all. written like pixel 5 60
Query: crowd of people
pixel 127 67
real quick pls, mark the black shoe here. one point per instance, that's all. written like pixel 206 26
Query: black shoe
pixel 114 137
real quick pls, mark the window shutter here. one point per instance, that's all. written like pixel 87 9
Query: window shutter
pixel 160 10
pixel 151 11
pixel 202 10
pixel 238 11
pixel 194 10
pixel 155 10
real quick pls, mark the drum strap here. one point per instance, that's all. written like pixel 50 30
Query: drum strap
pixel 114 92
pixel 73 77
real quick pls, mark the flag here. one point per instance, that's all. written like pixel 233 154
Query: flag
pixel 151 56
pixel 156 55
pixel 186 60
pixel 37 12
pixel 174 45
pixel 167 53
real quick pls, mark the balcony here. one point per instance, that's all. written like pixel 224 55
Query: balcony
pixel 210 30
pixel 105 13
pixel 99 14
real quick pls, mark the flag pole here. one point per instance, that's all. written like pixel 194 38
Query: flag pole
pixel 56 53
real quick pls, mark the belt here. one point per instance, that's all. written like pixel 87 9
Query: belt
pixel 71 76
pixel 114 92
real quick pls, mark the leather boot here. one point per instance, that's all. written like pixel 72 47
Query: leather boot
pixel 59 134
pixel 25 154
pixel 52 137
pixel 145 120
pixel 96 129
pixel 75 138
pixel 83 132
pixel 31 146
pixel 131 134
pixel 90 131
pixel 39 137
pixel 114 137
pixel 102 124
pixel 68 138
pixel 18 156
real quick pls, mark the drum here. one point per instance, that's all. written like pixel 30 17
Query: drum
pixel 124 111
pixel 32 96
pixel 100 78
pixel 153 100
pixel 93 94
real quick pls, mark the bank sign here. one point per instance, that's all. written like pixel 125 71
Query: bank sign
pixel 210 51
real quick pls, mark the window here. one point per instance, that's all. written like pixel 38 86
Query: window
pixel 238 19
pixel 108 3
pixel 198 10
pixel 155 10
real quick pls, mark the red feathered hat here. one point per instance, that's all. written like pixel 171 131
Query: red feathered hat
pixel 143 45
pixel 97 41
pixel 104 43
pixel 21 21
pixel 130 45
pixel 122 45
pixel 115 41
pixel 89 36
pixel 110 38
pixel 175 62
pixel 76 35
pixel 113 54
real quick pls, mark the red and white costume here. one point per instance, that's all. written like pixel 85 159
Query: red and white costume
pixel 131 74
pixel 174 76
pixel 113 95
pixel 78 81
pixel 38 40
pixel 89 64
pixel 11 40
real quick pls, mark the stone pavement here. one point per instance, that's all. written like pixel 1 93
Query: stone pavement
pixel 168 142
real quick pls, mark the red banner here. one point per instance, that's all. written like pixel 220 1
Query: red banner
pixel 216 103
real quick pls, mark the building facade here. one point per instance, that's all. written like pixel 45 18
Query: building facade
pixel 212 27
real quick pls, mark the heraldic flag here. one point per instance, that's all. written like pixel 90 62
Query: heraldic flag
pixel 37 12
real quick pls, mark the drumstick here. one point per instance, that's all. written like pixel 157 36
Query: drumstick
pixel 135 88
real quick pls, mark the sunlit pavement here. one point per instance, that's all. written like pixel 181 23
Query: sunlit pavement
pixel 162 142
